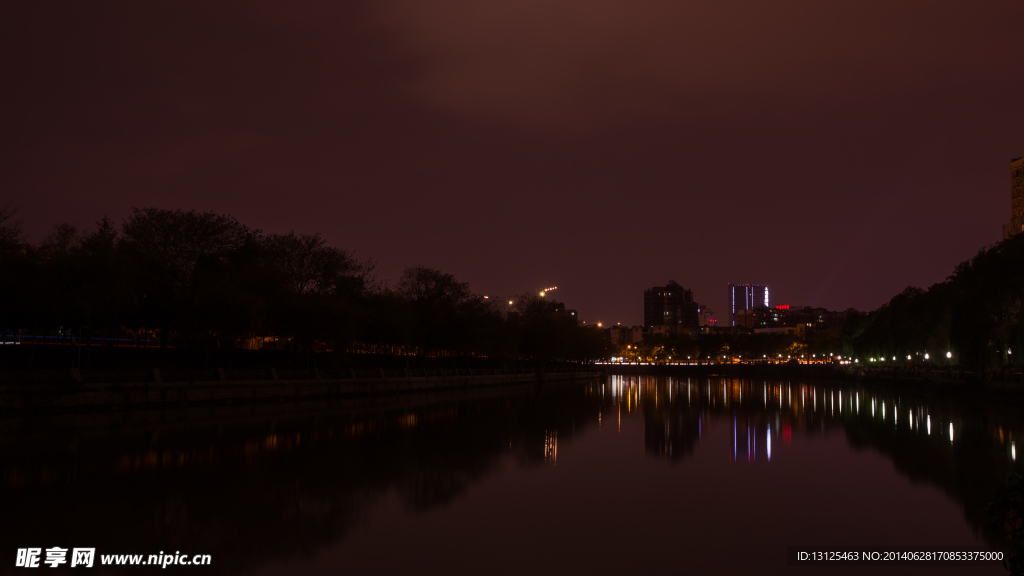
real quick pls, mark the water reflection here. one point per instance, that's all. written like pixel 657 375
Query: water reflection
pixel 976 452
pixel 253 485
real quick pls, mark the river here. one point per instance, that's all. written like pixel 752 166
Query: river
pixel 619 475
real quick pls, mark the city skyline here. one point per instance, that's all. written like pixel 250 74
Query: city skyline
pixel 729 308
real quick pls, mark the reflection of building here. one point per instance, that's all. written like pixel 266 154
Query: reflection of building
pixel 550 446
pixel 1016 224
pixel 751 440
pixel 670 433
pixel 745 297
pixel 670 305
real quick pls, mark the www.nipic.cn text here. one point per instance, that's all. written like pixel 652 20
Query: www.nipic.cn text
pixel 86 557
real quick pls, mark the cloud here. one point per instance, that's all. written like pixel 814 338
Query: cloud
pixel 540 62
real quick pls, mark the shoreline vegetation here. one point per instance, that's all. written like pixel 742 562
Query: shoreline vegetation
pixel 200 287
pixel 174 289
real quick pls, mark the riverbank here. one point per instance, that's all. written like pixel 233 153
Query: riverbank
pixel 74 390
pixel 994 385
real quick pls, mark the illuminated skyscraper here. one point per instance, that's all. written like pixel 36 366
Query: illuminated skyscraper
pixel 746 297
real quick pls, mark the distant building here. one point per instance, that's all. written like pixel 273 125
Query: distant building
pixel 620 335
pixel 746 297
pixel 706 317
pixel 1016 224
pixel 797 330
pixel 670 305
pixel 661 330
pixel 569 314
pixel 731 330
pixel 765 320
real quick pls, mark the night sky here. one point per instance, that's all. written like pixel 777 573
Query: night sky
pixel 837 151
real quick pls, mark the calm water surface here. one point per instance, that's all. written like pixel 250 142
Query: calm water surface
pixel 701 476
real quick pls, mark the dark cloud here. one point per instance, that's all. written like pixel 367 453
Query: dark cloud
pixel 835 150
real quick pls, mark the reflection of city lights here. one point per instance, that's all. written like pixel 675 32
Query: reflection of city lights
pixel 769 438
pixel 1013 450
pixel 950 432
pixel 928 423
pixel 551 446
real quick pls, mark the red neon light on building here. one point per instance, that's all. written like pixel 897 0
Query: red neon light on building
pixel 782 307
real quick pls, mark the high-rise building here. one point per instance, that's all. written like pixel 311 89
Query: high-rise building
pixel 746 297
pixel 670 305
pixel 1016 224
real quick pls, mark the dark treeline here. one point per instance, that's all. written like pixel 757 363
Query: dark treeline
pixel 200 281
pixel 975 316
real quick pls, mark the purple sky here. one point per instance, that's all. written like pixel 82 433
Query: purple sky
pixel 837 151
